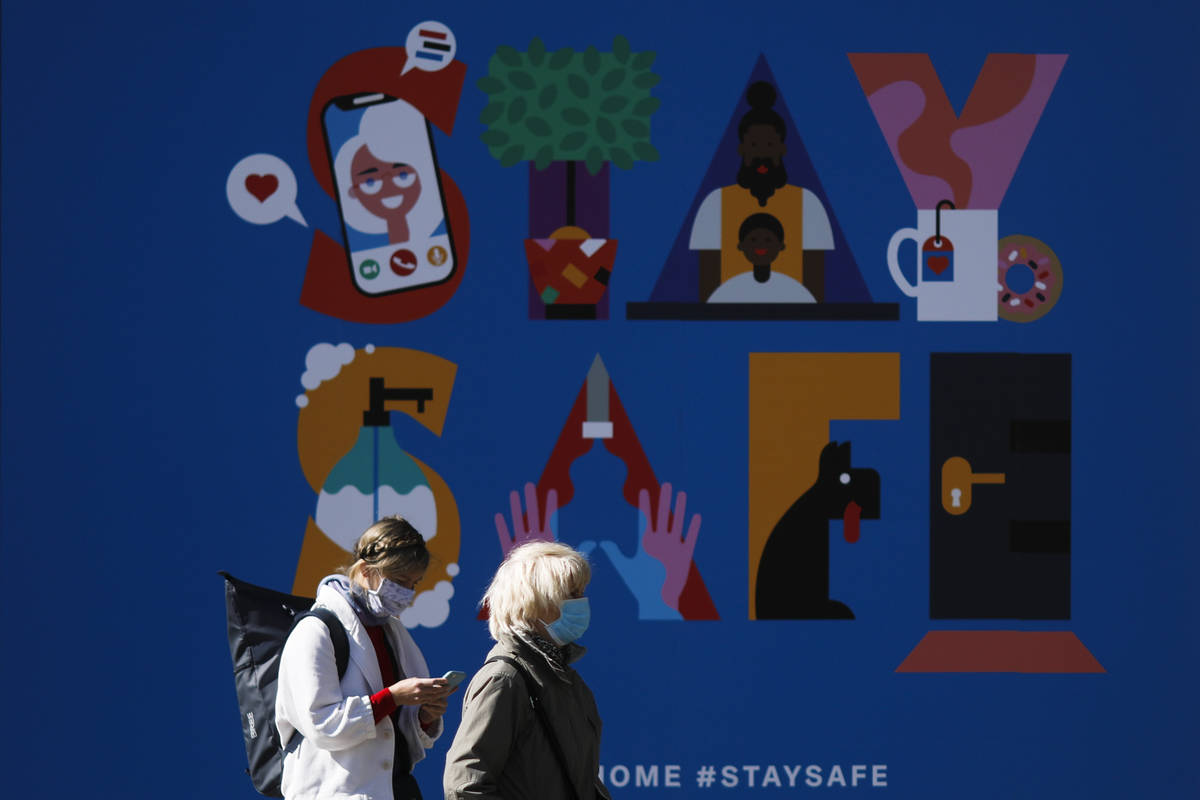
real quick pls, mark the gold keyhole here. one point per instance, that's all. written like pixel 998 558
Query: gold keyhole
pixel 957 479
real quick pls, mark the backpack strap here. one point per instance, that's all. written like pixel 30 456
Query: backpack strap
pixel 535 700
pixel 337 632
pixel 341 652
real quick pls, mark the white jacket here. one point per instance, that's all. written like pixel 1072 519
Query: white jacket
pixel 343 754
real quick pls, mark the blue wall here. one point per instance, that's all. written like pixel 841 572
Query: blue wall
pixel 153 343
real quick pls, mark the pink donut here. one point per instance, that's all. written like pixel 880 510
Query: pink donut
pixel 1030 278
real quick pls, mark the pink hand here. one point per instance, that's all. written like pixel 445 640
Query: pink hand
pixel 527 527
pixel 665 541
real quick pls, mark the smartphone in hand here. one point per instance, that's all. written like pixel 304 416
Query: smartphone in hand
pixel 454 677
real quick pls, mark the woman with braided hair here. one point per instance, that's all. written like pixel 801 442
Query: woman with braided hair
pixel 360 735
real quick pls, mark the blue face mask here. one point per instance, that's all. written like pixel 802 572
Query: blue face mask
pixel 572 622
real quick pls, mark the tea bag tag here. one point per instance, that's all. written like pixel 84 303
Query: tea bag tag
pixel 937 259
pixel 937 254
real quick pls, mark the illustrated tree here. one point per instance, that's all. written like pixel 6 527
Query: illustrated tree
pixel 570 114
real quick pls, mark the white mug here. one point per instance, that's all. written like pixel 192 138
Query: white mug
pixel 956 264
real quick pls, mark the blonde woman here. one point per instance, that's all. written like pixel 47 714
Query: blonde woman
pixel 360 736
pixel 503 748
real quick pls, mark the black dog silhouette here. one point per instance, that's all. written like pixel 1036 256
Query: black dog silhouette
pixel 793 575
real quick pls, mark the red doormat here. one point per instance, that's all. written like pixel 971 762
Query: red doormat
pixel 1000 651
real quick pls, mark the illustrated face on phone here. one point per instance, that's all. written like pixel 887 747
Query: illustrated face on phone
pixel 394 221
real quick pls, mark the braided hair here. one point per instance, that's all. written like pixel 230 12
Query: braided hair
pixel 392 546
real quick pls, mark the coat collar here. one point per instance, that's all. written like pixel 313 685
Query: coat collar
pixel 362 651
pixel 540 664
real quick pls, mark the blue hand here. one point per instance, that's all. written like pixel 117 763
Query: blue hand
pixel 643 576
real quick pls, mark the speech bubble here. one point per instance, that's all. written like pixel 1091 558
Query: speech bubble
pixel 430 46
pixel 262 189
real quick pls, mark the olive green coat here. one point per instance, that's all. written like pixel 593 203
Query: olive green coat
pixel 501 749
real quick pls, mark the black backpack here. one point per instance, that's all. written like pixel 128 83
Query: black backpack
pixel 259 622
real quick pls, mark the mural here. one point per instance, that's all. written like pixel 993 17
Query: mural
pixel 570 115
pixel 661 574
pixel 1031 278
pixel 800 480
pixel 354 415
pixel 261 189
pixel 943 533
pixel 1000 479
pixel 1000 541
pixel 793 570
pixel 957 168
pixel 404 225
pixel 761 240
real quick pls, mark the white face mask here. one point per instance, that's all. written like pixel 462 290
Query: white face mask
pixel 390 599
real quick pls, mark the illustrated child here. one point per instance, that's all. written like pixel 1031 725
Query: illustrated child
pixel 761 240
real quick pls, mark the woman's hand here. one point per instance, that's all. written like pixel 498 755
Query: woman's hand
pixel 420 691
pixel 432 711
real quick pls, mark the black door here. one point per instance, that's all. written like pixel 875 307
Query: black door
pixel 1000 486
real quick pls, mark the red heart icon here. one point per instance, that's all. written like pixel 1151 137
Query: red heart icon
pixel 938 264
pixel 262 186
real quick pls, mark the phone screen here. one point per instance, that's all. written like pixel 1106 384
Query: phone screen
pixel 389 193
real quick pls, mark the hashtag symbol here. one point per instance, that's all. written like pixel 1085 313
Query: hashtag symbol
pixel 705 777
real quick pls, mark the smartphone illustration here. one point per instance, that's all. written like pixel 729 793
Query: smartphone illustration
pixel 454 677
pixel 395 226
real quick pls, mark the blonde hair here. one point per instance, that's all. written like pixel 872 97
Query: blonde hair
pixel 392 546
pixel 531 584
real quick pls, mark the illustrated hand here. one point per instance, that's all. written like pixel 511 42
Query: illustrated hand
pixel 657 571
pixel 527 527
pixel 665 541
pixel 643 576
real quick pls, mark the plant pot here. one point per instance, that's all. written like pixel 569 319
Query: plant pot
pixel 573 203
pixel 570 271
